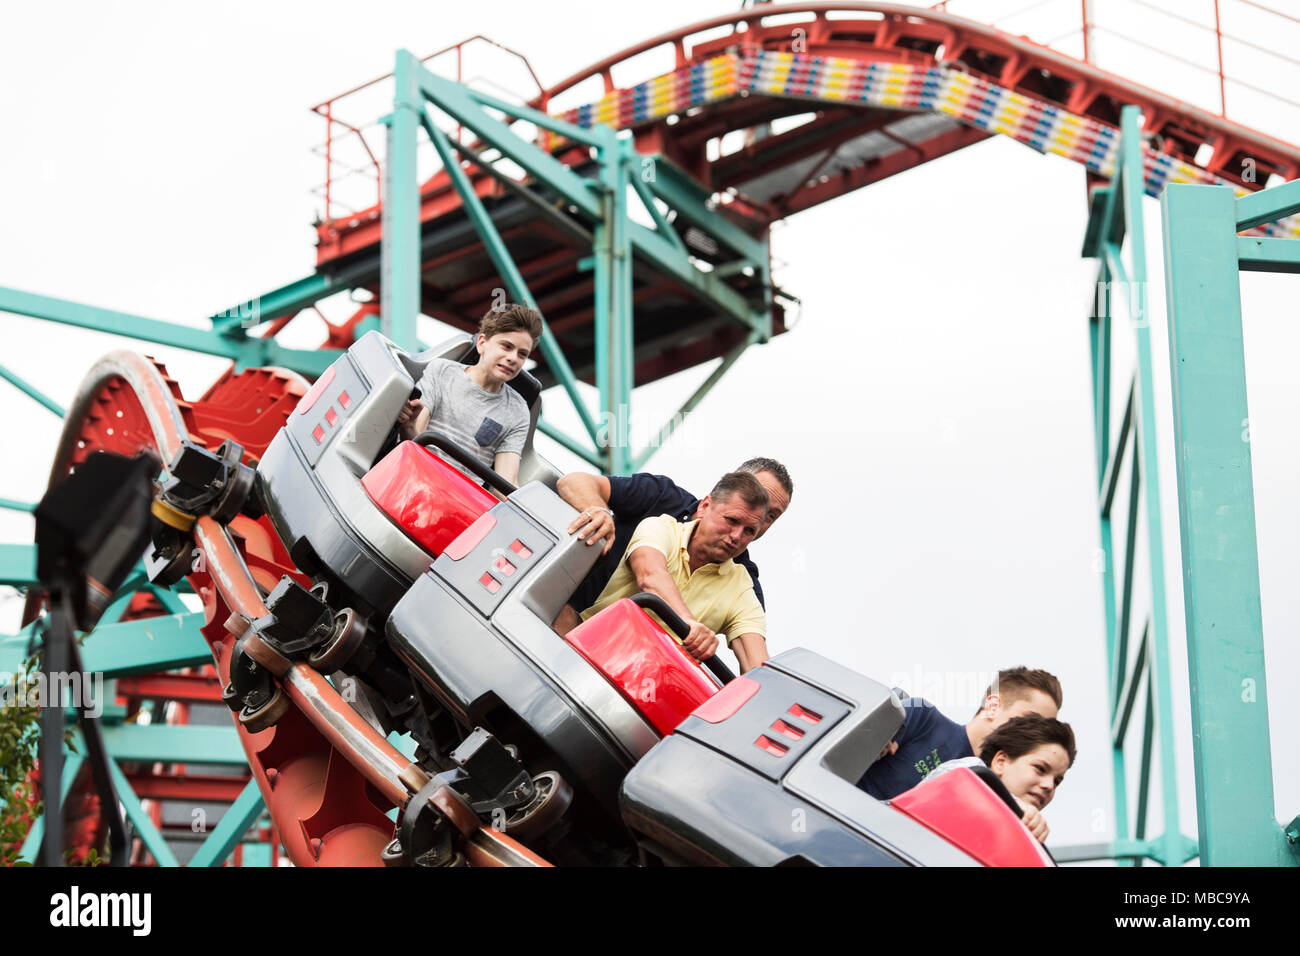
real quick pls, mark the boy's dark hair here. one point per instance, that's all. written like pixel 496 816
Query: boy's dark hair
pixel 1015 683
pixel 1022 735
pixel 772 467
pixel 511 318
pixel 741 483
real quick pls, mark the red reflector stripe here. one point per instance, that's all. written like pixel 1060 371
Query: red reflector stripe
pixel 344 400
pixel 315 391
pixel 318 433
pixel 781 727
pixel 727 701
pixel 521 549
pixel 504 566
pixel 771 746
pixel 331 416
pixel 468 539
pixel 489 582
pixel 805 715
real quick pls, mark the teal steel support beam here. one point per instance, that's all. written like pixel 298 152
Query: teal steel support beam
pixel 586 454
pixel 690 404
pixel 146 646
pixel 1116 213
pixel 1225 639
pixel 11 505
pixel 18 565
pixel 1268 205
pixel 234 823
pixel 139 817
pixel 614 260
pixel 285 300
pixel 30 390
pixel 1264 254
pixel 169 743
pixel 71 765
pixel 246 352
pixel 400 239
pixel 1146 449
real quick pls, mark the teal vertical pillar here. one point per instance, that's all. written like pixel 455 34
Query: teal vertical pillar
pixel 1099 340
pixel 613 309
pixel 1133 183
pixel 400 241
pixel 1225 639
pixel 620 314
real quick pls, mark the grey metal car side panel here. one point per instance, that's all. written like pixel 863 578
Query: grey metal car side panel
pixel 700 808
pixel 827 775
pixel 469 665
pixel 814 778
pixel 326 506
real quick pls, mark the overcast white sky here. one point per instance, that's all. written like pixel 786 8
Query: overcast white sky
pixel 933 403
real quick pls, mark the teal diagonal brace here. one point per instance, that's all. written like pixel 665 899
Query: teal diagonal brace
pixel 639 177
pixel 248 352
pixel 234 823
pixel 11 505
pixel 586 454
pixel 1225 636
pixel 136 813
pixel 1267 205
pixel 505 266
pixel 289 298
pixel 18 564
pixel 466 108
pixel 71 764
pixel 31 391
pixel 457 102
pixel 692 203
pixel 691 403
pixel 170 600
pixel 581 134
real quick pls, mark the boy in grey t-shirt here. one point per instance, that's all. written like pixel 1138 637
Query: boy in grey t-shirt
pixel 470 403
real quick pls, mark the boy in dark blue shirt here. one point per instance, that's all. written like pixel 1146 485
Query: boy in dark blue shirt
pixel 928 738
pixel 611 508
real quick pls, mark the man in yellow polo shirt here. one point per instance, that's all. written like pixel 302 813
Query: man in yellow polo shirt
pixel 689 564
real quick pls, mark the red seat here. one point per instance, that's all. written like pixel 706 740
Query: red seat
pixel 426 497
pixel 962 809
pixel 650 668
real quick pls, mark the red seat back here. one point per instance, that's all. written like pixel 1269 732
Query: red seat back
pixel 959 807
pixel 645 664
pixel 428 499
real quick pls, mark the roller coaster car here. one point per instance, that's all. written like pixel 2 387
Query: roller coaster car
pixel 570 743
pixel 771 761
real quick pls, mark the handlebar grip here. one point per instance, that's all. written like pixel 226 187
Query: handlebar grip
pixel 440 441
pixel 653 602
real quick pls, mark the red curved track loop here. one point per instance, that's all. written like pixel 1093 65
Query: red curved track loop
pixel 777 175
pixel 327 777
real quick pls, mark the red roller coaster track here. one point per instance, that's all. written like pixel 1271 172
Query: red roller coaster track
pixel 880 88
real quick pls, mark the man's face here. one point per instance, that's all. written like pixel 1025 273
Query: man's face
pixel 1033 777
pixel 726 528
pixel 777 498
pixel 503 355
pixel 1032 702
